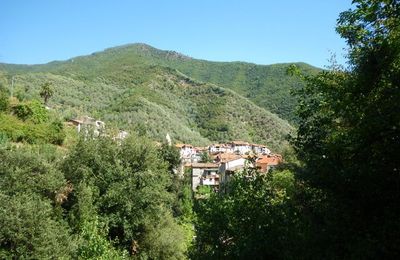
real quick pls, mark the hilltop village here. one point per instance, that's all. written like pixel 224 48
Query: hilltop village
pixel 213 166
pixel 209 167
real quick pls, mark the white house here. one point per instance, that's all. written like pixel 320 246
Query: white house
pixel 260 149
pixel 240 147
pixel 228 167
pixel 220 148
pixel 187 152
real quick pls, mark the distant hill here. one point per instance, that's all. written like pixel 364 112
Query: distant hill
pixel 267 86
pixel 138 86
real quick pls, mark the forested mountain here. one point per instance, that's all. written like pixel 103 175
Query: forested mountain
pixel 196 101
pixel 268 86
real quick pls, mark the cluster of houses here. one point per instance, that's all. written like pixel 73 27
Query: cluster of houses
pixel 224 160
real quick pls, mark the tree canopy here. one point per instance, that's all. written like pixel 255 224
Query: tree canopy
pixel 348 134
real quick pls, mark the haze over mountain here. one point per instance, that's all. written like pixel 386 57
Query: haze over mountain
pixel 138 86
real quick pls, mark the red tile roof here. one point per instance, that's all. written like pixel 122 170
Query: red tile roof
pixel 270 160
pixel 226 157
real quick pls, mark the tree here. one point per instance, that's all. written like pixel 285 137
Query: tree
pixel 4 98
pixel 31 190
pixel 33 110
pixel 127 187
pixel 46 92
pixel 255 219
pixel 205 157
pixel 170 155
pixel 349 136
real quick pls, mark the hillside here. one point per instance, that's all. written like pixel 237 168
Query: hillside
pixel 267 86
pixel 137 86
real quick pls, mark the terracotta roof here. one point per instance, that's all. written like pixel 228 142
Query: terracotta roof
pixel 227 157
pixel 204 165
pixel 270 160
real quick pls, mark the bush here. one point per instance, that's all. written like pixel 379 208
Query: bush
pixel 19 131
pixel 4 101
pixel 33 111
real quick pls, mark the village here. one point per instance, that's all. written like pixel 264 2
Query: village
pixel 209 167
pixel 213 166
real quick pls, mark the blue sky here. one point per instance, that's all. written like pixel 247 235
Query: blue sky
pixel 259 31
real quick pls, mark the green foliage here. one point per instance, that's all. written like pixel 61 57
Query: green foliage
pixel 4 101
pixel 46 92
pixel 94 244
pixel 32 110
pixel 205 157
pixel 164 240
pixel 348 137
pixel 256 219
pixel 30 226
pixel 3 139
pixel 170 154
pixel 204 190
pixel 126 186
pixel 20 131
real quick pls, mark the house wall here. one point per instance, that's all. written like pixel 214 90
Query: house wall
pixel 187 152
pixel 210 182
pixel 235 163
pixel 243 149
pixel 265 150
pixel 196 177
pixel 227 166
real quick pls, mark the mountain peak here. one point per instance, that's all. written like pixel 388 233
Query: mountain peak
pixel 148 50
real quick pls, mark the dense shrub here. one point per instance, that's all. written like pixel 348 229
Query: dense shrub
pixel 20 131
pixel 32 110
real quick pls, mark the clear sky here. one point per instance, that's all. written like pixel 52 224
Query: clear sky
pixel 259 31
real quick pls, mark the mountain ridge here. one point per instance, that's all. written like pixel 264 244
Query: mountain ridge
pixel 145 46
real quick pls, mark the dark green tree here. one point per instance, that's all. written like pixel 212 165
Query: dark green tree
pixel 349 137
pixel 205 157
pixel 4 98
pixel 126 186
pixel 31 191
pixel 171 156
pixel 46 92
pixel 256 219
pixel 32 110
